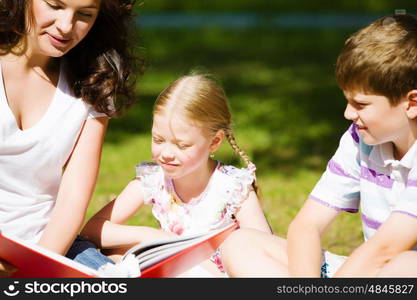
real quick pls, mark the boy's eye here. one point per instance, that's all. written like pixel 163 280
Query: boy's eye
pixel 360 104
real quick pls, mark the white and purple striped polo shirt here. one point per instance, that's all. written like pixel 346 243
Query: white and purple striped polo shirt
pixel 369 177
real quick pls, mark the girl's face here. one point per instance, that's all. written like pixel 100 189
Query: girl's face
pixel 180 146
pixel 59 25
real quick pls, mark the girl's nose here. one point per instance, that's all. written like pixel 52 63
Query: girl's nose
pixel 167 153
pixel 350 113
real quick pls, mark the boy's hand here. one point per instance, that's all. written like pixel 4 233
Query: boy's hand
pixel 6 269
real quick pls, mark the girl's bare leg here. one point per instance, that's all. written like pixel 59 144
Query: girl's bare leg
pixel 252 253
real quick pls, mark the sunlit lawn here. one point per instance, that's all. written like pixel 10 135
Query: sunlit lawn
pixel 288 114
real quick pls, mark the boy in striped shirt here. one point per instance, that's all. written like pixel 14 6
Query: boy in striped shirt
pixel 374 170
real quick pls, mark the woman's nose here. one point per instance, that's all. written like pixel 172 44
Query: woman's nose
pixel 65 22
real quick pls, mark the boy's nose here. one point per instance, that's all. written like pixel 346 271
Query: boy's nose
pixel 350 113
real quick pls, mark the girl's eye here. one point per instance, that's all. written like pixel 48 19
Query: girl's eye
pixel 183 146
pixel 157 141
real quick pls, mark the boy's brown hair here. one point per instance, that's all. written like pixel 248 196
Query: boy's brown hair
pixel 381 58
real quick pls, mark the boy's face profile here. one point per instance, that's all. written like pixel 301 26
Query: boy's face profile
pixel 377 120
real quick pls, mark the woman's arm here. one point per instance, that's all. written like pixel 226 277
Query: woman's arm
pixel 304 239
pixel 397 234
pixel 76 187
pixel 6 269
pixel 251 215
pixel 106 227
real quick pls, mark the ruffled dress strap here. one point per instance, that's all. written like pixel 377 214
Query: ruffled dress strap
pixel 151 177
pixel 236 184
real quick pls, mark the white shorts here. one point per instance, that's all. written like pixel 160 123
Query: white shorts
pixel 330 264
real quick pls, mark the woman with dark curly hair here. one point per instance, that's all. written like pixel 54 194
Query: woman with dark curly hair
pixel 65 68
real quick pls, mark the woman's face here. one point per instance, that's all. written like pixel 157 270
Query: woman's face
pixel 57 26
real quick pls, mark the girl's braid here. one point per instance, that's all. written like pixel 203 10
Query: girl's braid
pixel 250 165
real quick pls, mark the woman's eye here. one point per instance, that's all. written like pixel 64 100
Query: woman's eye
pixel 85 15
pixel 53 6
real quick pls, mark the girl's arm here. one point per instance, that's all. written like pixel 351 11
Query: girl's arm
pixel 76 188
pixel 106 227
pixel 397 234
pixel 304 238
pixel 251 215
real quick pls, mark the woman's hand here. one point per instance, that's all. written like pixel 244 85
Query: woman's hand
pixel 6 269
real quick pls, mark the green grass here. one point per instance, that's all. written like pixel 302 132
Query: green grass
pixel 287 109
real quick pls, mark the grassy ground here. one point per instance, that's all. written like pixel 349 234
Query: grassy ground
pixel 288 113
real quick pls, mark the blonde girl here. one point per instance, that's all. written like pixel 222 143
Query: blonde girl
pixel 190 191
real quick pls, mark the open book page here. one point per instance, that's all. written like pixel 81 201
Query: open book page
pixel 149 259
pixel 151 253
pixel 148 247
pixel 35 261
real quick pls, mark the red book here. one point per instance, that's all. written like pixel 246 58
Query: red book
pixel 164 258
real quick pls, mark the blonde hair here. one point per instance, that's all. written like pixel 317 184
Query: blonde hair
pixel 381 58
pixel 203 101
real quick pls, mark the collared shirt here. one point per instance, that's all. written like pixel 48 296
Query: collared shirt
pixel 369 178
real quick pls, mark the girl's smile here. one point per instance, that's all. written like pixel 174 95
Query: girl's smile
pixel 179 146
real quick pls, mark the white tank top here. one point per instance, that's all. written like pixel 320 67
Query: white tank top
pixel 32 160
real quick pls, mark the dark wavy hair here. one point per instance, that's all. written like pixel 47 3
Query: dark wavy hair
pixel 100 67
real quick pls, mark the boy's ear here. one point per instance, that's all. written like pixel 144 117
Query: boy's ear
pixel 412 104
pixel 217 141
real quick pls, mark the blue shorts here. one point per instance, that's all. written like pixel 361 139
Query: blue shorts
pixel 330 264
pixel 86 253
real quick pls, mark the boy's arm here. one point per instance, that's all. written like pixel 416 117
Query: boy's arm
pixel 304 238
pixel 397 234
pixel 106 228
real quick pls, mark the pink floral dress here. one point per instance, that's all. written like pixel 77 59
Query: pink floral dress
pixel 217 204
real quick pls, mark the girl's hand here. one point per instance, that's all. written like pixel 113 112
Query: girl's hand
pixel 162 234
pixel 6 269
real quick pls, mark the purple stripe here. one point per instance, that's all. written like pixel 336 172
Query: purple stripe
pixel 405 213
pixel 353 133
pixel 351 210
pixel 412 182
pixel 338 170
pixel 377 178
pixel 370 222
